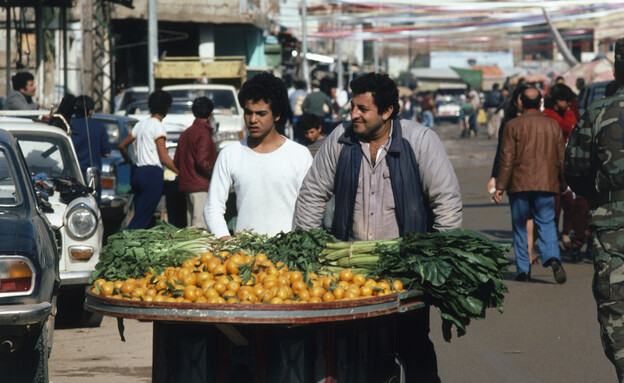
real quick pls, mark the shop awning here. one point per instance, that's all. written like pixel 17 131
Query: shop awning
pixel 472 77
pixel 52 3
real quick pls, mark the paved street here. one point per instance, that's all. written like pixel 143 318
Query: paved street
pixel 548 332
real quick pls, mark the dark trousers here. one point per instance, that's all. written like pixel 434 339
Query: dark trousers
pixel 575 217
pixel 147 186
pixel 415 347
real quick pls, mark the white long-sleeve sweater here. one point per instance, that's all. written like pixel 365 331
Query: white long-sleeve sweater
pixel 266 187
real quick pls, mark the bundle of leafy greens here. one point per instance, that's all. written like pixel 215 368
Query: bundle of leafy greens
pixel 459 271
pixel 298 249
pixel 130 253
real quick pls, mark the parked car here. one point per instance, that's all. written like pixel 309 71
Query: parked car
pixel 73 212
pixel 590 93
pixel 115 177
pixel 228 114
pixel 29 272
pixel 448 108
pixel 128 96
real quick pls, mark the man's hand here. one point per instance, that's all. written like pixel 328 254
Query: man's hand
pixel 498 195
pixel 491 185
pixel 225 238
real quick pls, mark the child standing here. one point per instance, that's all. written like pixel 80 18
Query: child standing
pixel 312 126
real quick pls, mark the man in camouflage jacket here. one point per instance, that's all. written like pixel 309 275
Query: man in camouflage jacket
pixel 594 168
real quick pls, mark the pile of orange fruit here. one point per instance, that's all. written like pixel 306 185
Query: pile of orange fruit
pixel 238 278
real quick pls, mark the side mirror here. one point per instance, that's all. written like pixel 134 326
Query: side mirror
pixel 93 177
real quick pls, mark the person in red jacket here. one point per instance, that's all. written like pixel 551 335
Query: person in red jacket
pixel 195 158
pixel 560 105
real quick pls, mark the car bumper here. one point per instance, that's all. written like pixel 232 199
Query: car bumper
pixel 21 315
pixel 74 278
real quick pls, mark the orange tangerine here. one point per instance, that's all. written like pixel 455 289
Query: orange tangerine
pixel 346 275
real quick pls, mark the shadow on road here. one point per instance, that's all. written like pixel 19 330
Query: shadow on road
pixel 499 235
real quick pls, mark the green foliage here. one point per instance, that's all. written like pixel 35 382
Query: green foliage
pixel 298 249
pixel 130 253
pixel 460 271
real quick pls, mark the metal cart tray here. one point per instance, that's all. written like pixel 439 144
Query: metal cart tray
pixel 296 313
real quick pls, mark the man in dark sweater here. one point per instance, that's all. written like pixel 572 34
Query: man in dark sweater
pixel 195 158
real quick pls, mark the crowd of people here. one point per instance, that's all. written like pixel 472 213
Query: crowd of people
pixel 366 166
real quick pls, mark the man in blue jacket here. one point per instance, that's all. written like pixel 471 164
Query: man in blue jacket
pixel 92 142
pixel 388 176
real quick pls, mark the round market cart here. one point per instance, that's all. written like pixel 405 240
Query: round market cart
pixel 343 341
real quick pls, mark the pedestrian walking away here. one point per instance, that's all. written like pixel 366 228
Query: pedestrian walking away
pixel 531 172
pixel 511 112
pixel 557 105
pixel 388 176
pixel 151 153
pixel 195 158
pixel 593 166
pixel 493 103
pixel 266 169
pixel 427 108
pixel 318 103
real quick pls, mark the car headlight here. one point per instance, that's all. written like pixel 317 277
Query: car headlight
pixel 81 221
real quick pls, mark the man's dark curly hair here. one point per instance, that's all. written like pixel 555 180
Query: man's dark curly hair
pixel 382 87
pixel 159 102
pixel 20 79
pixel 202 107
pixel 270 89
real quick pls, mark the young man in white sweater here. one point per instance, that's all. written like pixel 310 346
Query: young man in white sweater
pixel 266 169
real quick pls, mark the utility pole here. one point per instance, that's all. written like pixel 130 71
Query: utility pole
pixel 102 91
pixel 304 38
pixel 376 47
pixel 8 51
pixel 152 45
pixel 340 69
pixel 87 47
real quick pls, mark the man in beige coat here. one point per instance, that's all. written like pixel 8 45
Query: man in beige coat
pixel 531 171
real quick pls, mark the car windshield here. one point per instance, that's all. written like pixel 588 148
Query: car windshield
pixel 9 195
pixel 223 99
pixel 181 107
pixel 131 96
pixel 177 107
pixel 48 154
pixel 446 102
pixel 112 128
